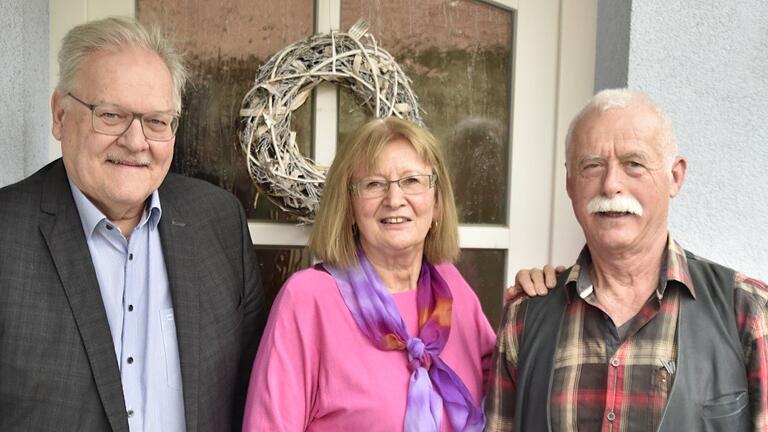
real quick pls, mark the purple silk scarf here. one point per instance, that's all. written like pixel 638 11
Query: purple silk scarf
pixel 433 384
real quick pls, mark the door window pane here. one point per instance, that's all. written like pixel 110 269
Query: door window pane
pixel 225 43
pixel 483 269
pixel 458 54
pixel 277 264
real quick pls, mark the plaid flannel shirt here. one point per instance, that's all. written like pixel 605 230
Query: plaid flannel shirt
pixel 603 381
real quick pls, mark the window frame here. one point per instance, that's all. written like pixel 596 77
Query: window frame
pixel 553 75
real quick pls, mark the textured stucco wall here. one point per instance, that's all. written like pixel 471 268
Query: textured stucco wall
pixel 705 62
pixel 24 113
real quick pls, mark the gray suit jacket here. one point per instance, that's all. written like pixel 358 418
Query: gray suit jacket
pixel 58 370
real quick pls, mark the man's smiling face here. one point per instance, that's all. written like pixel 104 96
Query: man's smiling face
pixel 618 164
pixel 117 173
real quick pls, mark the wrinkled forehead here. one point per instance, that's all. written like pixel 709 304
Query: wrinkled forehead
pixel 636 129
pixel 126 70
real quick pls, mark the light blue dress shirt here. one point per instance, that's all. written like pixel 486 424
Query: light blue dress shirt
pixel 134 287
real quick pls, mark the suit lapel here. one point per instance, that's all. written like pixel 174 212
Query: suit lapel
pixel 63 234
pixel 179 246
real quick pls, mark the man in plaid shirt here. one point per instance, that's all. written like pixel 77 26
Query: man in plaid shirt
pixel 640 334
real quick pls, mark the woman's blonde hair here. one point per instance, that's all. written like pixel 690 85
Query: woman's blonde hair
pixel 333 237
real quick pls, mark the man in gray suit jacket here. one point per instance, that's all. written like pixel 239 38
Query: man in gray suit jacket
pixel 130 298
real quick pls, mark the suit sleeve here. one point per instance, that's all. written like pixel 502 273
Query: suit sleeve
pixel 254 312
pixel 284 379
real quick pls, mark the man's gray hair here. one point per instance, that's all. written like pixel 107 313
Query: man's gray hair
pixel 609 99
pixel 114 33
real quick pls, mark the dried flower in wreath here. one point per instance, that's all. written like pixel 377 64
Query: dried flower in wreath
pixel 352 60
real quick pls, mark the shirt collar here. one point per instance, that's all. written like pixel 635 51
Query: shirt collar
pixel 674 268
pixel 677 266
pixel 91 216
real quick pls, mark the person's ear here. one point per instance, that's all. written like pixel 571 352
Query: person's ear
pixel 568 187
pixel 57 112
pixel 679 166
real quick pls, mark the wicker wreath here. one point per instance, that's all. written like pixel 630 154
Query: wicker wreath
pixel 353 60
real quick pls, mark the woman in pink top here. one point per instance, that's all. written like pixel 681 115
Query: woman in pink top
pixel 385 335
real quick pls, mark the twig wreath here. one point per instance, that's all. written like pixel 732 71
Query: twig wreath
pixel 353 60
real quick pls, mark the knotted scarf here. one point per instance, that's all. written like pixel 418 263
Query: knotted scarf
pixel 433 384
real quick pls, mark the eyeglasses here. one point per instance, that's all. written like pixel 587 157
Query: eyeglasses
pixel 114 120
pixel 378 187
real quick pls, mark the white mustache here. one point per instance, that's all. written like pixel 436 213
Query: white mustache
pixel 618 204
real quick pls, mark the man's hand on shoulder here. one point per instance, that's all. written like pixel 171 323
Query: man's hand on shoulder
pixel 533 282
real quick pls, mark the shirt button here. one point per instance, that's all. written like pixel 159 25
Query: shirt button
pixel 130 257
pixel 130 308
pixel 109 227
pixel 615 362
pixel 130 413
pixel 130 360
pixel 611 416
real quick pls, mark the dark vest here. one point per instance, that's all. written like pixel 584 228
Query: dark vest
pixel 709 391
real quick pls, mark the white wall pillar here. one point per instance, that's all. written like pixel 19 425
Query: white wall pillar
pixel 24 113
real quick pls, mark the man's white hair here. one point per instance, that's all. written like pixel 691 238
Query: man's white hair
pixel 609 99
pixel 114 33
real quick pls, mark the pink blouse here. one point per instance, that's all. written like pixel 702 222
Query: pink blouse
pixel 315 370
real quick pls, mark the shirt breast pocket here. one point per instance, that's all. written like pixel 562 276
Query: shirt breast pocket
pixel 171 347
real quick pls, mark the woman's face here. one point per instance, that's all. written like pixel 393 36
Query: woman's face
pixel 394 225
